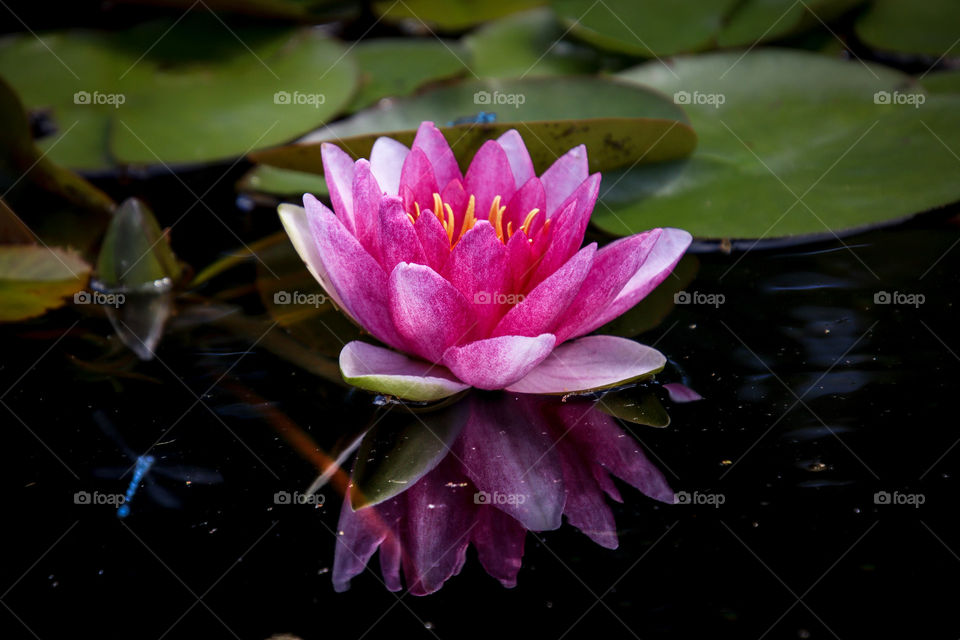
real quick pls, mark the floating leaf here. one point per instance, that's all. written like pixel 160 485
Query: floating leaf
pixel 764 20
pixel 619 123
pixel 927 27
pixel 941 81
pixel 391 458
pixel 203 93
pixel 776 126
pixel 35 279
pixel 391 67
pixel 643 408
pixel 527 44
pixel 284 183
pixel 136 254
pixel 449 15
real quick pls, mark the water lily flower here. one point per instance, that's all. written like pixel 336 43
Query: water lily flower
pixel 519 463
pixel 476 280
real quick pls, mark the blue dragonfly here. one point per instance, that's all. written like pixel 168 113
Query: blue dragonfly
pixel 484 117
pixel 145 467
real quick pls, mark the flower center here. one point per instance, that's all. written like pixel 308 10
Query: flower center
pixel 445 215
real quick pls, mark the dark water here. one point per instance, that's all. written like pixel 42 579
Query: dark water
pixel 817 398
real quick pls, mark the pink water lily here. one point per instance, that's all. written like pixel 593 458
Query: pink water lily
pixel 479 279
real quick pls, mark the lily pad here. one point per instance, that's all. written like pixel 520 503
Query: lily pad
pixel 941 81
pixel 528 44
pixel 203 93
pixel 448 15
pixel 790 144
pixel 619 123
pixel 391 67
pixel 927 27
pixel 392 457
pixel 765 20
pixel 643 408
pixel 35 279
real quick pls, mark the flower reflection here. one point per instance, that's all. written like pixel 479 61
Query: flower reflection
pixel 518 463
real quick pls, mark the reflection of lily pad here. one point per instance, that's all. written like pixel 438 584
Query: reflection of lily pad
pixel 929 27
pixel 201 94
pixel 35 279
pixel 851 140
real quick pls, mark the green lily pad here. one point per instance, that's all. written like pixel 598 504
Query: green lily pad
pixel 391 67
pixel 941 81
pixel 645 28
pixel 643 408
pixel 764 20
pixel 449 15
pixel 35 279
pixel 860 145
pixel 201 94
pixel 620 123
pixel 528 44
pixel 280 184
pixel 392 457
pixel 927 27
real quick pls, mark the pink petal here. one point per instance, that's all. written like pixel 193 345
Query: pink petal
pixel 530 196
pixel 495 363
pixel 564 176
pixel 433 240
pixel 568 226
pixel 477 266
pixel 489 176
pixel 338 172
pixel 398 239
pixel 427 310
pixel 586 507
pixel 540 309
pixel 297 226
pixel 357 278
pixel 680 393
pixel 366 208
pixel 615 264
pixel 499 540
pixel 435 146
pixel 587 364
pixel 359 535
pixel 390 555
pixel 661 260
pixel 385 371
pixel 518 156
pixel 386 162
pixel 521 260
pixel 417 181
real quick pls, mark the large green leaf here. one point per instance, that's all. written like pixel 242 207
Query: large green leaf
pixel 391 67
pixel 849 140
pixel 448 15
pixel 930 27
pixel 619 123
pixel 34 279
pixel 196 93
pixel 764 20
pixel 527 44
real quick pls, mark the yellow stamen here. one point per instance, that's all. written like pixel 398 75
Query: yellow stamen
pixel 412 221
pixel 449 224
pixel 469 218
pixel 438 206
pixel 510 229
pixel 529 220
pixel 496 216
pixel 417 205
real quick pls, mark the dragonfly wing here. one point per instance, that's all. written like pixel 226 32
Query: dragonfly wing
pixel 161 496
